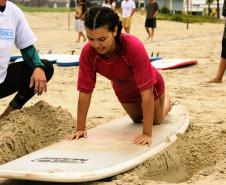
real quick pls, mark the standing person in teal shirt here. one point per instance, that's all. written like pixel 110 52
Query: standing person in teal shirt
pixel 151 15
pixel 222 66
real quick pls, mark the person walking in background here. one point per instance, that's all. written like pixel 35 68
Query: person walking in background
pixel 222 66
pixel 128 9
pixel 79 20
pixel 121 58
pixel 151 14
pixel 110 4
pixel 29 77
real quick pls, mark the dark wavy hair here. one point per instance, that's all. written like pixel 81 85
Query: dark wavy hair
pixel 97 17
pixel 111 1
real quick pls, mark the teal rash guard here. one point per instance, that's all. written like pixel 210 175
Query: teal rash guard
pixel 31 57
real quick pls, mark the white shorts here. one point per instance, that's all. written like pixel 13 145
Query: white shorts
pixel 79 25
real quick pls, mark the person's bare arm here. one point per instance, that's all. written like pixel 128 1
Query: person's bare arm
pixel 156 13
pixel 133 11
pixel 148 117
pixel 83 107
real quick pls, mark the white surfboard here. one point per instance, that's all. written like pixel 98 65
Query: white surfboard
pixel 107 151
pixel 67 60
pixel 19 59
pixel 164 64
pixel 49 57
pixel 73 60
pixel 63 60
pixel 14 57
pixel 154 58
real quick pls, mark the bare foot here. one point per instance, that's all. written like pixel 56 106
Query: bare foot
pixel 77 41
pixel 215 80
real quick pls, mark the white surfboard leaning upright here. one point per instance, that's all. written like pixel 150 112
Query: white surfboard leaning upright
pixel 107 151
pixel 164 64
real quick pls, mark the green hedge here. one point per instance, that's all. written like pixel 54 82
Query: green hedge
pixel 189 18
pixel 44 9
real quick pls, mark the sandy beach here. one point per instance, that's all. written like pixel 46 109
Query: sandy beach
pixel 198 157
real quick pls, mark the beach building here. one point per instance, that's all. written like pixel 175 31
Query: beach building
pixel 198 7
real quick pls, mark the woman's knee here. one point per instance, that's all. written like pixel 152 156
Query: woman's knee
pixel 137 119
pixel 158 120
pixel 159 109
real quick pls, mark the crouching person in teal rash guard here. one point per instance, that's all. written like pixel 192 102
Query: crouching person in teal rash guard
pixel 29 77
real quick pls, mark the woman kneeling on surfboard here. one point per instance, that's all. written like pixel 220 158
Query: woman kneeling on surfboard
pixel 122 59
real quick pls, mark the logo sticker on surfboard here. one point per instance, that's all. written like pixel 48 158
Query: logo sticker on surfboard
pixel 59 160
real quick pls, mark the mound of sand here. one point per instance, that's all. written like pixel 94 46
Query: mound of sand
pixel 32 128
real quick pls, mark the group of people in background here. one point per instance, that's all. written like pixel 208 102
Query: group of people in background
pixel 128 9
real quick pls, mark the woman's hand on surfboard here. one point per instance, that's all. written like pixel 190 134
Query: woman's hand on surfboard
pixel 142 139
pixel 78 134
